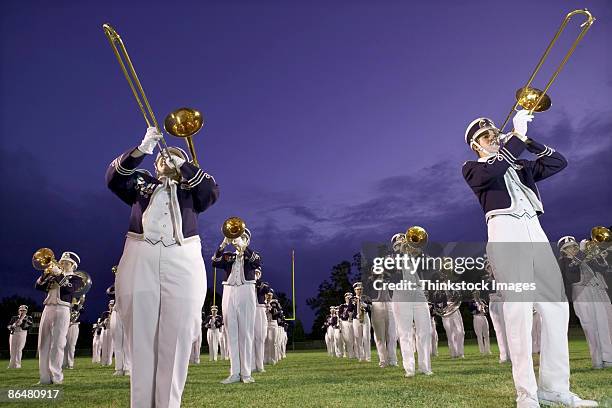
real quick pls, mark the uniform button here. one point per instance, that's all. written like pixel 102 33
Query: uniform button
pixel 164 225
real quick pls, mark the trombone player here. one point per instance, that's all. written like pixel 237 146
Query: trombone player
pixel 160 284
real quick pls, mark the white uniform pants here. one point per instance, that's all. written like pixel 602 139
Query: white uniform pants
pixel 481 328
pixel 71 339
pixel 337 340
pixel 52 334
pixel 408 317
pixel 17 342
pixel 455 333
pixel 593 308
pixel 223 343
pixel 496 310
pixel 259 341
pixel 120 343
pixel 434 337
pixel 531 260
pixel 160 293
pixel 358 339
pixel 536 333
pixel 196 347
pixel 367 338
pixel 96 347
pixel 107 346
pixel 348 337
pixel 212 337
pixel 239 319
pixel 330 341
pixel 385 332
pixel 270 351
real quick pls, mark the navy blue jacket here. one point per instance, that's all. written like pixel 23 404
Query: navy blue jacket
pixel 262 288
pixel 194 195
pixel 25 325
pixel 208 321
pixel 65 292
pixel 487 178
pixel 225 260
pixel 344 310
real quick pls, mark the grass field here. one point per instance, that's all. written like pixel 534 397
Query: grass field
pixel 312 379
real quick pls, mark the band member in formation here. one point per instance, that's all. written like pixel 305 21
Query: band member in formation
pixel 107 336
pixel 261 323
pixel 72 336
pixel 411 312
pixel 329 333
pixel 55 319
pixel 239 303
pixel 506 189
pixel 361 323
pixel 434 332
pixel 213 324
pixel 585 282
pixel 478 308
pixel 273 311
pixel 96 346
pixel 120 341
pixel 283 338
pixel 18 329
pixel 336 335
pixel 161 277
pixel 385 331
pixel 346 312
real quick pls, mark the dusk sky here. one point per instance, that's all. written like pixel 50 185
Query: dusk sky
pixel 328 124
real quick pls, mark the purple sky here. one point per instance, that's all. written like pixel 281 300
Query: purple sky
pixel 327 124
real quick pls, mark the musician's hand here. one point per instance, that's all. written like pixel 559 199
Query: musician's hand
pixel 520 121
pixel 224 243
pixel 150 140
pixel 175 160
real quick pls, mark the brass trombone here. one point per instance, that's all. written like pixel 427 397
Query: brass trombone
pixel 536 100
pixel 183 122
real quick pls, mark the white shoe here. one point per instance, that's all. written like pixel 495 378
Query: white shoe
pixel 427 372
pixel 607 364
pixel 568 399
pixel 382 365
pixel 248 380
pixel 231 379
pixel 409 374
pixel 118 373
pixel 526 401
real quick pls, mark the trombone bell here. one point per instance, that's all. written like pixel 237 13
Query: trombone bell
pixel 184 123
pixel 43 259
pixel 533 99
pixel 416 237
pixel 233 227
pixel 601 235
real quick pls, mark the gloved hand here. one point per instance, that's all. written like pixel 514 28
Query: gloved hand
pixel 175 160
pixel 150 140
pixel 520 121
pixel 240 244
pixel 224 243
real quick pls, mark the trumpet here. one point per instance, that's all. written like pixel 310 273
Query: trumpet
pixel 183 122
pixel 536 100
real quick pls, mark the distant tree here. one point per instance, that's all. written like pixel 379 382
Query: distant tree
pixel 331 292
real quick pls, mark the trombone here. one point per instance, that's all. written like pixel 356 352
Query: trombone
pixel 183 122
pixel 536 100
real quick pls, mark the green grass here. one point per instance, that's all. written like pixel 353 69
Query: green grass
pixel 312 379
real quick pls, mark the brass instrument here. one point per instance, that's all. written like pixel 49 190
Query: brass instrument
pixel 536 100
pixel 601 235
pixel 44 260
pixel 183 122
pixel 416 237
pixel 233 227
pixel 360 309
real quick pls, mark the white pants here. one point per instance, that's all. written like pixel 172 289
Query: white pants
pixel 367 338
pixel 358 339
pixel 434 337
pixel 593 308
pixel 17 342
pixel 329 340
pixel 529 262
pixel 385 332
pixel 270 352
pixel 455 333
pixel 212 337
pixel 259 340
pixel 408 317
pixel 496 310
pixel 71 339
pixel 337 339
pixel 52 334
pixel 120 343
pixel 196 347
pixel 223 343
pixel 277 343
pixel 481 328
pixel 347 337
pixel 96 347
pixel 107 347
pixel 160 293
pixel 536 331
pixel 239 319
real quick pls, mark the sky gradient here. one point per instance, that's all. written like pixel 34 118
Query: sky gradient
pixel 327 125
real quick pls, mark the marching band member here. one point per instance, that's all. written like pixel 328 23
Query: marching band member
pixel 506 188
pixel 346 312
pixel 96 346
pixel 55 319
pixel 278 341
pixel 18 328
pixel 329 333
pixel 385 331
pixel 478 308
pixel 361 324
pixel 107 336
pixel 213 323
pixel 72 337
pixel 273 311
pixel 161 277
pixel 261 323
pixel 120 341
pixel 284 338
pixel 591 301
pixel 239 303
pixel 336 335
pixel 411 313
